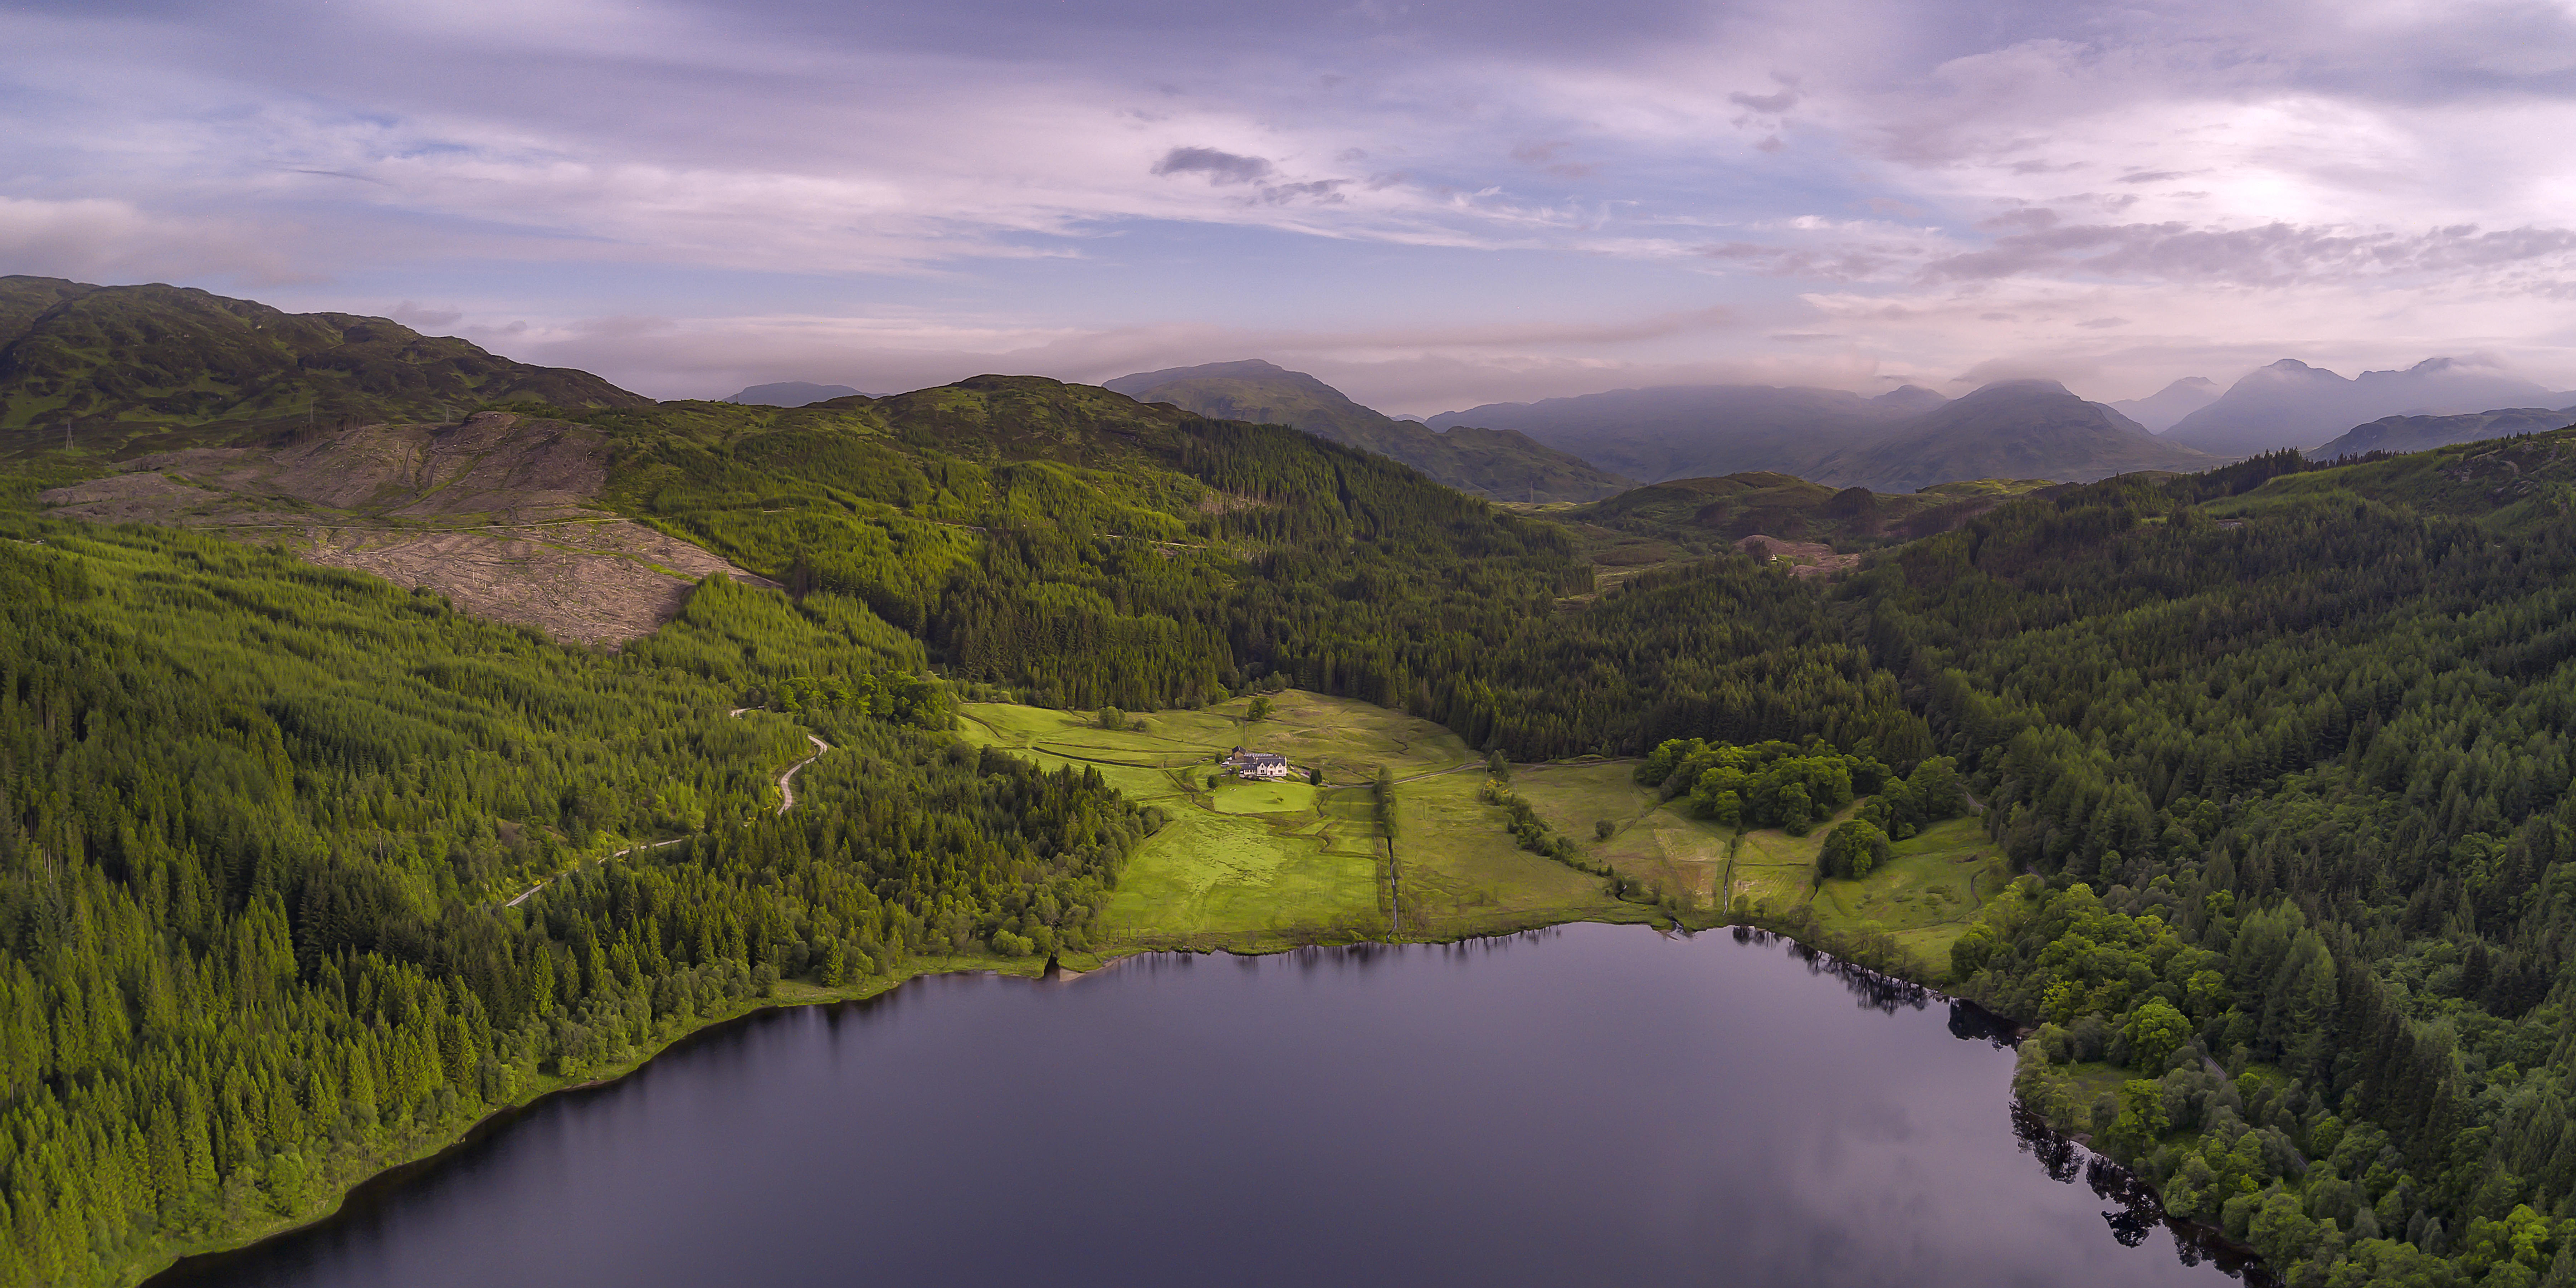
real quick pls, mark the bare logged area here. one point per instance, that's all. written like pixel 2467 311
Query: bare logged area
pixel 1806 558
pixel 491 512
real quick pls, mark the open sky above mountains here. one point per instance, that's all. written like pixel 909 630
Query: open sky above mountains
pixel 1429 205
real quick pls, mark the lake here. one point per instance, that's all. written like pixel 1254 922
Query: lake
pixel 1589 1104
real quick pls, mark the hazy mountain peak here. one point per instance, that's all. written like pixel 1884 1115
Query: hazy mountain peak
pixel 2023 385
pixel 791 393
pixel 1911 398
pixel 2291 404
pixel 2158 411
pixel 2022 429
pixel 1497 463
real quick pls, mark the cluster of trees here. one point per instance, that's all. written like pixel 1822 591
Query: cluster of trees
pixel 257 818
pixel 1769 784
pixel 2294 789
pixel 1853 850
pixel 1532 832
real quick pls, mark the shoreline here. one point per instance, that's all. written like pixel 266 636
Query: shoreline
pixel 154 1269
pixel 1817 945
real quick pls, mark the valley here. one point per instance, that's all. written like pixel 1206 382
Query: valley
pixel 347 714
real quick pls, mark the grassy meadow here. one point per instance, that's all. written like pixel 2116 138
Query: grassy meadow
pixel 1263 865
pixel 1922 899
pixel 1256 866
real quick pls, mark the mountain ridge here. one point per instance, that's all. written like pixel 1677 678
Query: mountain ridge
pixel 2291 404
pixel 2010 429
pixel 120 367
pixel 2424 433
pixel 1498 463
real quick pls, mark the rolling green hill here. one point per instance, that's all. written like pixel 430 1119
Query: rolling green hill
pixel 1503 464
pixel 119 368
pixel 2421 433
pixel 1780 505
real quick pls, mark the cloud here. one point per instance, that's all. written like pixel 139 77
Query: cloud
pixel 1219 167
pixel 104 238
pixel 1009 174
pixel 2276 254
pixel 422 319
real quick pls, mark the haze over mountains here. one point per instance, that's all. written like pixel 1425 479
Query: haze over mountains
pixel 1896 441
pixel 124 366
pixel 1499 463
pixel 2291 404
pixel 1695 431
pixel 2016 429
pixel 2158 411
pixel 792 393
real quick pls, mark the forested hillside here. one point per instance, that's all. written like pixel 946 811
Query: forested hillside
pixel 260 815
pixel 2287 754
pixel 1084 550
pixel 107 367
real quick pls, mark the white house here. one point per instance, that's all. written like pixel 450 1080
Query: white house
pixel 1257 764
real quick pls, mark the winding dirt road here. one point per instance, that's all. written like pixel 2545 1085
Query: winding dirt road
pixel 786 788
pixel 786 802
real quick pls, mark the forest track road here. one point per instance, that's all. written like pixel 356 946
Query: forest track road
pixel 786 787
pixel 786 802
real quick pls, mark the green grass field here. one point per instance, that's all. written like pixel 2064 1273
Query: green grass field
pixel 1926 895
pixel 1255 866
pixel 1262 865
pixel 1461 873
pixel 1923 898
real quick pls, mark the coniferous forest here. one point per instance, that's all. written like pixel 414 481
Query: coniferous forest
pixel 2279 752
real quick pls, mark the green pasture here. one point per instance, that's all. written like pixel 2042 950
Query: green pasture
pixel 1923 898
pixel 1253 865
pixel 1460 873
pixel 1926 895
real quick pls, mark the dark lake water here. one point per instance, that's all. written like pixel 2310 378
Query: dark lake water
pixel 1593 1104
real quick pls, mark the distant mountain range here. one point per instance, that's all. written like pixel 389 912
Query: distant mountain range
pixel 2018 429
pixel 2291 404
pixel 123 363
pixel 1702 431
pixel 1897 441
pixel 1499 463
pixel 2422 433
pixel 130 369
pixel 792 393
pixel 2158 411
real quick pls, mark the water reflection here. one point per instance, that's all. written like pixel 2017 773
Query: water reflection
pixel 2137 1214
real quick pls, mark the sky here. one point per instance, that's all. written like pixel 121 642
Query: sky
pixel 1431 205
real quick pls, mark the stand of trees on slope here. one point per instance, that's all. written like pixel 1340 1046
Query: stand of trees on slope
pixel 256 818
pixel 1085 550
pixel 2299 793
